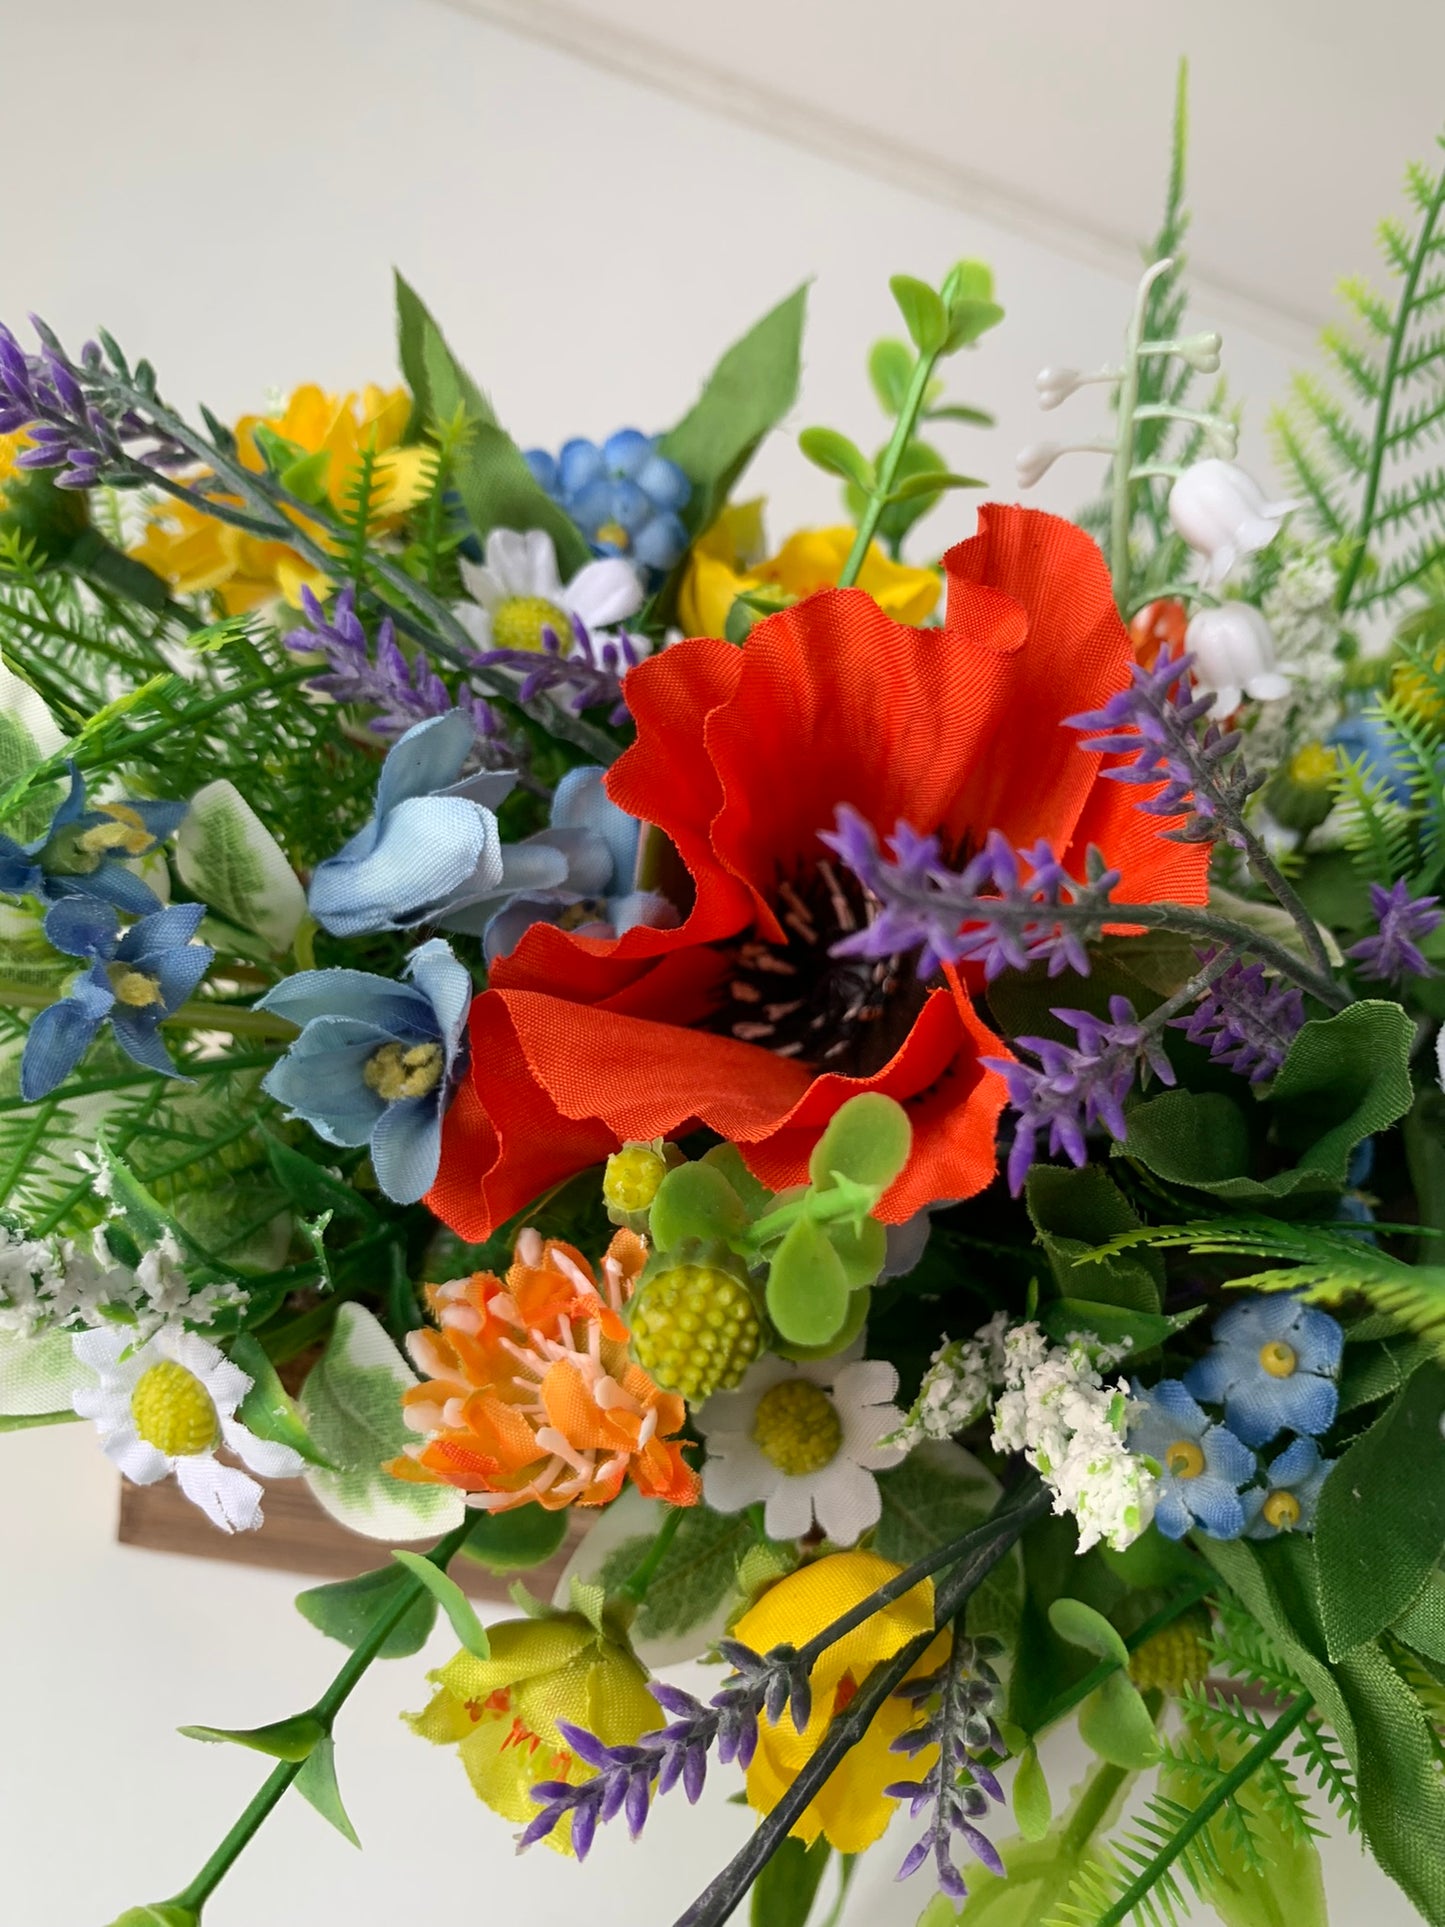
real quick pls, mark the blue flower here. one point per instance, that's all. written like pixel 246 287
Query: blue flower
pixel 432 844
pixel 624 496
pixel 84 852
pixel 1201 1465
pixel 1272 1367
pixel 1370 741
pixel 1290 1495
pixel 134 981
pixel 581 873
pixel 377 1062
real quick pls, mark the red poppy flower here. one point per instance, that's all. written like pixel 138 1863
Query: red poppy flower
pixel 741 1019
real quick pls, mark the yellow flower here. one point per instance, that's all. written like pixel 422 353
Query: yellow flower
pixel 195 552
pixel 501 1713
pixel 722 566
pixel 10 447
pixel 852 1810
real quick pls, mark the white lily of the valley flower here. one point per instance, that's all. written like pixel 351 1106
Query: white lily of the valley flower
pixel 804 1440
pixel 1234 656
pixel 1222 513
pixel 518 592
pixel 166 1406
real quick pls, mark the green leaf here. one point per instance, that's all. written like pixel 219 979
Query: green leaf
pixel 316 1783
pixel 29 736
pixel 348 1609
pixel 1033 1808
pixel 164 1913
pixel 751 389
pixel 960 412
pixel 697 1575
pixel 867 1140
pixel 352 1404
pixel 515 1540
pixel 27 1422
pixel 311 1188
pixel 1140 1330
pixel 890 369
pixel 293 1739
pixel 924 314
pixel 932 481
pixel 39 1376
pixel 1201 1139
pixel 862 1250
pixel 695 1201
pixel 785 1890
pixel 1039 1873
pixel 1114 1722
pixel 967 320
pixel 266 1409
pixel 229 859
pixel 1381 1525
pixel 1401 1789
pixel 1074 1211
pixel 1422 1624
pixel 452 1600
pixel 491 475
pixel 825 448
pixel 938 1492
pixel 1345 1079
pixel 807 1286
pixel 1080 1625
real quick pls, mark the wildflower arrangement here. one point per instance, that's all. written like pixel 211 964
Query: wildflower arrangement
pixel 897 1102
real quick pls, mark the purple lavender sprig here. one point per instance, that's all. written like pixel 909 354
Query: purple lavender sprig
pixel 403 692
pixel 1393 953
pixel 1155 722
pixel 960 1783
pixel 989 912
pixel 1074 1088
pixel 623 1776
pixel 73 422
pixel 1248 1019
pixel 591 667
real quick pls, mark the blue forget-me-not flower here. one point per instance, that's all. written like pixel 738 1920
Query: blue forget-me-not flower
pixel 85 852
pixel 377 1062
pixel 1290 1495
pixel 1272 1366
pixel 1202 1465
pixel 624 496
pixel 135 980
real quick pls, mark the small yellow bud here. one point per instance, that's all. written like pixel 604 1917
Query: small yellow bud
pixel 632 1176
pixel 1174 1658
pixel 695 1329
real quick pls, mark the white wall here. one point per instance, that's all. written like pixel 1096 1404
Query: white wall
pixel 226 188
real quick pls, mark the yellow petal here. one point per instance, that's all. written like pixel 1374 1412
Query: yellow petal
pixel 521 1650
pixel 812 1597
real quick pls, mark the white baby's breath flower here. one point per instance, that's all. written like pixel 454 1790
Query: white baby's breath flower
pixel 165 1406
pixel 956 1387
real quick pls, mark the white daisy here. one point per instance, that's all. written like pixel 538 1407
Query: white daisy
pixel 518 592
pixel 803 1439
pixel 165 1407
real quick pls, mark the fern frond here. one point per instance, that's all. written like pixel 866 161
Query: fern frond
pixel 1372 308
pixel 1293 450
pixel 1377 830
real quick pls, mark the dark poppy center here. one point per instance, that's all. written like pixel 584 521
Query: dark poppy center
pixel 796 999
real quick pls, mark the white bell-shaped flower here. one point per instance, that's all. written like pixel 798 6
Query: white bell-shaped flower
pixel 1233 651
pixel 1222 512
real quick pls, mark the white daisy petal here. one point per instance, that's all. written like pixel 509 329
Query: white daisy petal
pixel 142 1464
pixel 738 1477
pixel 229 1499
pixel 789 1512
pixel 869 1381
pixel 101 1349
pixel 476 621
pixel 846 1500
pixel 542 571
pixel 483 586
pixel 263 1456
pixel 604 592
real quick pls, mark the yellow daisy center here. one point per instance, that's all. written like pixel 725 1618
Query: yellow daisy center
pixel 173 1411
pixel 1184 1459
pixel 797 1426
pixel 632 1176
pixel 136 988
pixel 1314 766
pixel 1278 1359
pixel 518 622
pixel 614 533
pixel 398 1070
pixel 1282 1511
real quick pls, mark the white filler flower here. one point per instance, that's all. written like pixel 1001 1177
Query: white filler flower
pixel 803 1439
pixel 518 592
pixel 165 1407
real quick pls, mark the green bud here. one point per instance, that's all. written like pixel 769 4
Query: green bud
pixel 1300 794
pixel 162 1913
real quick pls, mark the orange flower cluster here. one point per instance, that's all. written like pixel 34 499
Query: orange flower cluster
pixel 528 1391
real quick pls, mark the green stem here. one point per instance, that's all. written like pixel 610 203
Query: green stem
pixel 1122 498
pixel 635 1585
pixel 236 1020
pixel 902 435
pixel 1285 894
pixel 821 1206
pixel 194 1897
pixel 214 1067
pixel 1404 314
pixel 1268 1743
pixel 1059 1708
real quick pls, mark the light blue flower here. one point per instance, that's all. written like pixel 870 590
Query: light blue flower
pixel 1370 741
pixel 1201 1465
pixel 1290 1495
pixel 377 1062
pixel 1272 1367
pixel 624 496
pixel 85 852
pixel 134 981
pixel 583 869
pixel 432 844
